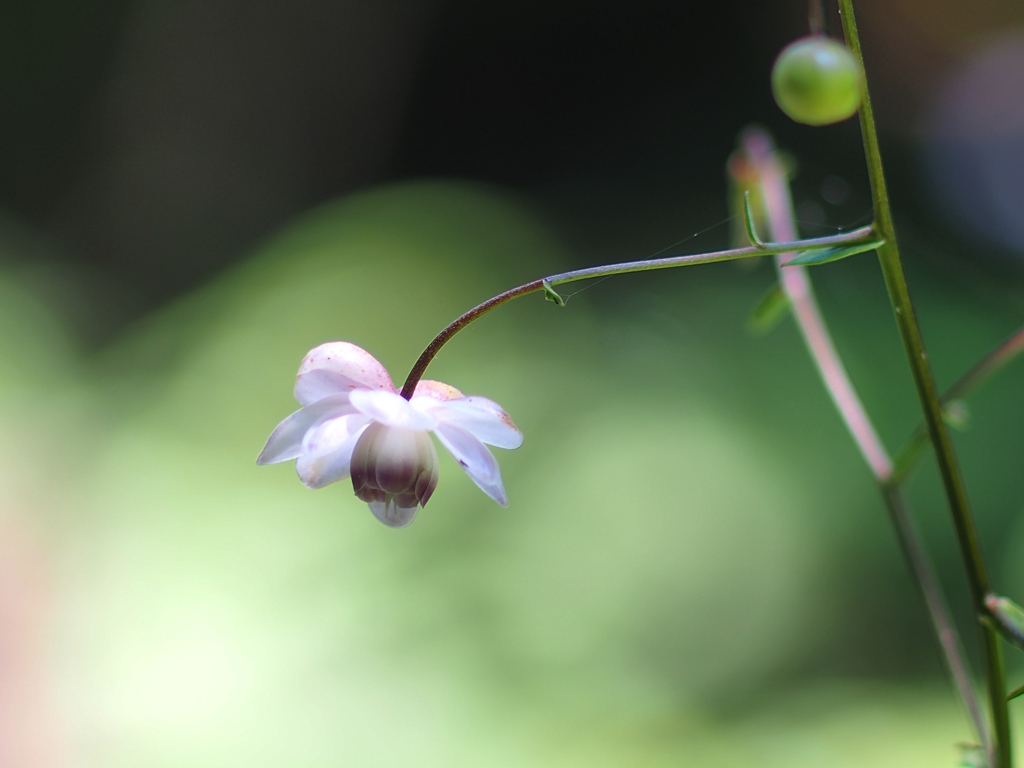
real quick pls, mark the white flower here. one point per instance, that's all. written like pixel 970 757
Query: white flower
pixel 353 423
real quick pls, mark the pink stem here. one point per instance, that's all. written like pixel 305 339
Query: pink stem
pixel 770 176
pixel 796 285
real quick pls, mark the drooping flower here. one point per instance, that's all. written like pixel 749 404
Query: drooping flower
pixel 353 423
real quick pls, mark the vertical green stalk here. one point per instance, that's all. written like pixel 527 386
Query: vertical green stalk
pixel 996 682
pixel 952 480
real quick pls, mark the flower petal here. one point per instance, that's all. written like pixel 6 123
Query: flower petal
pixel 285 441
pixel 391 410
pixel 393 515
pixel 438 390
pixel 339 367
pixel 482 418
pixel 475 459
pixel 327 450
pixel 327 435
pixel 317 384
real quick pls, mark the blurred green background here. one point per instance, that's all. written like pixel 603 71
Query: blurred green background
pixel 694 568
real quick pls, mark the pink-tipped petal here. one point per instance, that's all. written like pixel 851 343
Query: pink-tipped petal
pixel 475 459
pixel 286 441
pixel 314 386
pixel 482 418
pixel 391 410
pixel 436 390
pixel 339 367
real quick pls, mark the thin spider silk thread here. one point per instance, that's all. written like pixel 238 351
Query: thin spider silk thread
pixel 726 220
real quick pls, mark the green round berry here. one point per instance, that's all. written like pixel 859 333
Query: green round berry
pixel 817 81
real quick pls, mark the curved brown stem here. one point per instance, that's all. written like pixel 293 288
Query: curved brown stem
pixel 857 236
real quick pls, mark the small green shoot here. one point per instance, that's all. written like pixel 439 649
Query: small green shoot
pixel 972 756
pixel 1008 616
pixel 551 295
pixel 957 414
pixel 748 218
pixel 768 311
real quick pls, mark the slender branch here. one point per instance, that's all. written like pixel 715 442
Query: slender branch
pixel 760 166
pixel 995 678
pixel 910 540
pixel 910 332
pixel 862 235
pixel 988 365
pixel 854 237
pixel 982 371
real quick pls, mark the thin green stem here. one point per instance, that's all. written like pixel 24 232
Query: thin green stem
pixel 995 678
pixel 910 333
pixel 899 295
pixel 982 371
pixel 912 544
pixel 857 236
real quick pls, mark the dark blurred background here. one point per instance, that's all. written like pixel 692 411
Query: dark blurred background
pixel 148 149
pixel 151 143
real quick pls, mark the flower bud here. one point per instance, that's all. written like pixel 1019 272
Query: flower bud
pixel 394 471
